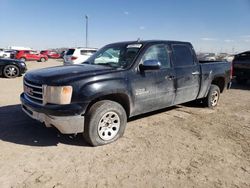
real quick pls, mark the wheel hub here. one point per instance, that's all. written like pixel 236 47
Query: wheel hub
pixel 215 97
pixel 109 126
pixel 11 71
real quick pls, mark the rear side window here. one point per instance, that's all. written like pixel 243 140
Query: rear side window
pixel 87 52
pixel 182 55
pixel 70 52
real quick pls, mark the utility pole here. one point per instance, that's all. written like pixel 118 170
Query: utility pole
pixel 86 17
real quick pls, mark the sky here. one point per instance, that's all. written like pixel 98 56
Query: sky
pixel 211 25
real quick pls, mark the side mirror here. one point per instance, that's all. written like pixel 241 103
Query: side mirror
pixel 152 64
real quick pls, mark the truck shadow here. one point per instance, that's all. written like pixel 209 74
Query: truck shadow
pixel 17 127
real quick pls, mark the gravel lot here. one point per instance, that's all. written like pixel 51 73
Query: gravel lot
pixel 183 146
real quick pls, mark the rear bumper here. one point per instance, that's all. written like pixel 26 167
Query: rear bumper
pixel 65 124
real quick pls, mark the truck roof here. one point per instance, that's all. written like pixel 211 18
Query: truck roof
pixel 144 42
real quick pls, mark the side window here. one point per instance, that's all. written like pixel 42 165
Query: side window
pixel 243 56
pixel 182 55
pixel 157 52
pixel 83 52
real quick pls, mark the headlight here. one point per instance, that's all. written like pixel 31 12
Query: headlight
pixel 23 64
pixel 57 94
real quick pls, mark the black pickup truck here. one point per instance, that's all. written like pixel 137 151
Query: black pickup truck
pixel 241 67
pixel 119 81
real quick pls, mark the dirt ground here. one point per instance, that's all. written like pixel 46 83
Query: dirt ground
pixel 183 146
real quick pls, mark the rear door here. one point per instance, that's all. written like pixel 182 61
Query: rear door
pixel 28 55
pixel 187 72
pixel 153 89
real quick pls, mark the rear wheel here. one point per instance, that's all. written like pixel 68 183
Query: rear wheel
pixel 11 71
pixel 42 59
pixel 105 123
pixel 213 96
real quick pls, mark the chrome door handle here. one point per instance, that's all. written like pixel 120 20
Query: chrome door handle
pixel 196 73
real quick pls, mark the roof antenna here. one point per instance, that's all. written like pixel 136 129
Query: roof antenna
pixel 138 40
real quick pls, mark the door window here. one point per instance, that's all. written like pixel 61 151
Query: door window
pixel 157 52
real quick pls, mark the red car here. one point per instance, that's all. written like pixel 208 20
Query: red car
pixel 27 55
pixel 51 54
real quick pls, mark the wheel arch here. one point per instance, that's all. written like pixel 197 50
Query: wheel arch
pixel 220 82
pixel 120 98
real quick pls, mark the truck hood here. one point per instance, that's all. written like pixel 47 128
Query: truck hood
pixel 64 74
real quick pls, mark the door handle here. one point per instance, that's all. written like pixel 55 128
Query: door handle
pixel 196 73
pixel 169 77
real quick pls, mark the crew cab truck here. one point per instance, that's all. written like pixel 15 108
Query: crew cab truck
pixel 98 96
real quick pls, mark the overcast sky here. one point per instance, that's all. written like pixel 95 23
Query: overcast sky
pixel 213 25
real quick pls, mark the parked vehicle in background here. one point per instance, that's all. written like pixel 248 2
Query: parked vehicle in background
pixel 96 98
pixel 229 58
pixel 62 54
pixel 241 67
pixel 11 68
pixel 78 55
pixel 7 53
pixel 30 55
pixel 50 54
pixel 207 57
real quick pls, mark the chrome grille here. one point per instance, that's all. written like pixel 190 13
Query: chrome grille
pixel 33 92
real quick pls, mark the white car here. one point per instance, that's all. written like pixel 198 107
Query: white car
pixel 6 53
pixel 78 55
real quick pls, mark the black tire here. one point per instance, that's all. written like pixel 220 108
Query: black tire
pixel 213 97
pixel 11 71
pixel 22 59
pixel 96 123
pixel 42 59
pixel 241 81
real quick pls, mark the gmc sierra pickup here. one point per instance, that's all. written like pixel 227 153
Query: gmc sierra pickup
pixel 119 81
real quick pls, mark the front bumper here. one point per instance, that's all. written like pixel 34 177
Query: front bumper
pixel 68 119
pixel 65 124
pixel 23 69
pixel 54 110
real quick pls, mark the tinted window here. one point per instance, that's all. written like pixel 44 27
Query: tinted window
pixel 243 56
pixel 182 55
pixel 157 52
pixel 70 52
pixel 87 52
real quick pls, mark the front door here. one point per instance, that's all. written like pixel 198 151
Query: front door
pixel 153 89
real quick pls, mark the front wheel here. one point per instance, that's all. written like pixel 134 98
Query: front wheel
pixel 213 96
pixel 11 71
pixel 105 123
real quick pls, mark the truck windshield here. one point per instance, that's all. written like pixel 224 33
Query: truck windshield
pixel 117 56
